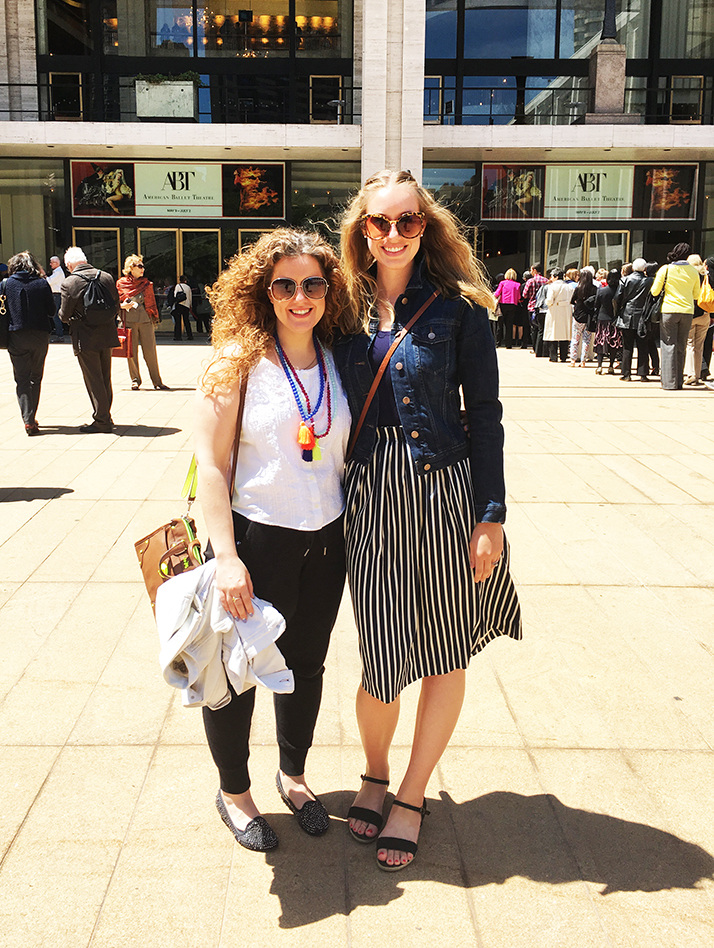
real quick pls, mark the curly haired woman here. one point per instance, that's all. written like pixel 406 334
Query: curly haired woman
pixel 277 531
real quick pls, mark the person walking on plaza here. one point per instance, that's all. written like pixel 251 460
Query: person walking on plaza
pixel 607 336
pixel 136 295
pixel 508 294
pixel 681 290
pixel 537 319
pixel 697 332
pixel 55 280
pixel 181 301
pixel 30 309
pixel 94 333
pixel 557 330
pixel 629 302
pixel 427 560
pixel 276 532
pixel 583 314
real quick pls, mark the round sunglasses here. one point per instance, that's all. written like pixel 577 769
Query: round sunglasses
pixel 283 289
pixel 409 225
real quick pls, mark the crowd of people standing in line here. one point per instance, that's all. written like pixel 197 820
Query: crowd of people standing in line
pixel 572 315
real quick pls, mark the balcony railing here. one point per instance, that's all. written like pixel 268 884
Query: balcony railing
pixel 554 104
pixel 223 99
pixel 683 100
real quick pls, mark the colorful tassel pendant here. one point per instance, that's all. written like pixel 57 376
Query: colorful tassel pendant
pixel 306 440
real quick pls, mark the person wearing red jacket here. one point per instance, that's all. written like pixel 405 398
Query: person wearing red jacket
pixel 140 313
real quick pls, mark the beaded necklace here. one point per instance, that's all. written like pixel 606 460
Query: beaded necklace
pixel 307 438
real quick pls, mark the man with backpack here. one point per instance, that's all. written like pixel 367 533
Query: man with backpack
pixel 90 304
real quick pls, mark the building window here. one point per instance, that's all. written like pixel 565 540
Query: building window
pixel 63 27
pixel 441 26
pixel 499 29
pixel 257 30
pixel 687 29
pixel 538 29
pixel 457 186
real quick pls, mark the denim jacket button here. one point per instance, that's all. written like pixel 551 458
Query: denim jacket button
pixel 427 467
pixel 432 335
pixel 399 366
pixel 415 434
pixel 405 300
pixel 406 400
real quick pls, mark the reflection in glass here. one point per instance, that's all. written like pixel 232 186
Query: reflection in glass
pixel 317 28
pixel 457 187
pixel 687 29
pixel 564 250
pixel 159 249
pixel 441 20
pixel 101 246
pixel 201 255
pixel 502 29
pixel 608 249
pixel 320 192
pixel 63 27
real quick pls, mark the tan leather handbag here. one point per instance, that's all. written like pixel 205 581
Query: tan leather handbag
pixel 174 547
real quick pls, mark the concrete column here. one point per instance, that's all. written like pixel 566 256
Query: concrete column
pixel 18 61
pixel 393 86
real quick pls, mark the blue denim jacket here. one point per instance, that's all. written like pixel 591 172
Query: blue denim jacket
pixel 448 350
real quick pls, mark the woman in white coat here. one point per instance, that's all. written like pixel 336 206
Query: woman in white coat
pixel 559 316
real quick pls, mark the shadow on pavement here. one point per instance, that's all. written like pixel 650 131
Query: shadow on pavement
pixel 10 494
pixel 143 431
pixel 482 842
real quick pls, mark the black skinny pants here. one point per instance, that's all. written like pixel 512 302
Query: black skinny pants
pixel 303 574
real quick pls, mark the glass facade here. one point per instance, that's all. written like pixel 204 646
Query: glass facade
pixel 520 61
pixel 263 29
pixel 687 29
pixel 32 208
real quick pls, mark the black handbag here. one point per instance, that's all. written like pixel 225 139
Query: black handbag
pixel 652 310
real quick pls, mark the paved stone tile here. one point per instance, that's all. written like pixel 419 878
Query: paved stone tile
pixel 572 807
pixel 55 876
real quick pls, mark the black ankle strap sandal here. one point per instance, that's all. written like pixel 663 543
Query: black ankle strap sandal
pixel 401 845
pixel 365 815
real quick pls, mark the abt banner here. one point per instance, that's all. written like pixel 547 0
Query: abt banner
pixel 177 190
pixel 589 192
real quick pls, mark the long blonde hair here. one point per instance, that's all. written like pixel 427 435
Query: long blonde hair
pixel 244 322
pixel 449 258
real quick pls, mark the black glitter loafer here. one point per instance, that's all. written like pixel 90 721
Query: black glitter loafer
pixel 258 834
pixel 365 815
pixel 312 816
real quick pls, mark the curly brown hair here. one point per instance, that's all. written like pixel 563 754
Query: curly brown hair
pixel 449 257
pixel 244 322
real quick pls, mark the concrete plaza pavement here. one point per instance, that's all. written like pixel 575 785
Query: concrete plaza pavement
pixel 574 804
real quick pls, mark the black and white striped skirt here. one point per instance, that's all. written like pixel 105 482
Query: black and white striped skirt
pixel 417 608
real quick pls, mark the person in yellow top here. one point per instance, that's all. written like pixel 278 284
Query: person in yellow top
pixel 681 290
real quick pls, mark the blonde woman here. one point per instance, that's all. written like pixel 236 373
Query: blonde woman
pixel 426 557
pixel 278 530
pixel 140 313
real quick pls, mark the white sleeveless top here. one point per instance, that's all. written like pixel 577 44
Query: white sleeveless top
pixel 273 484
